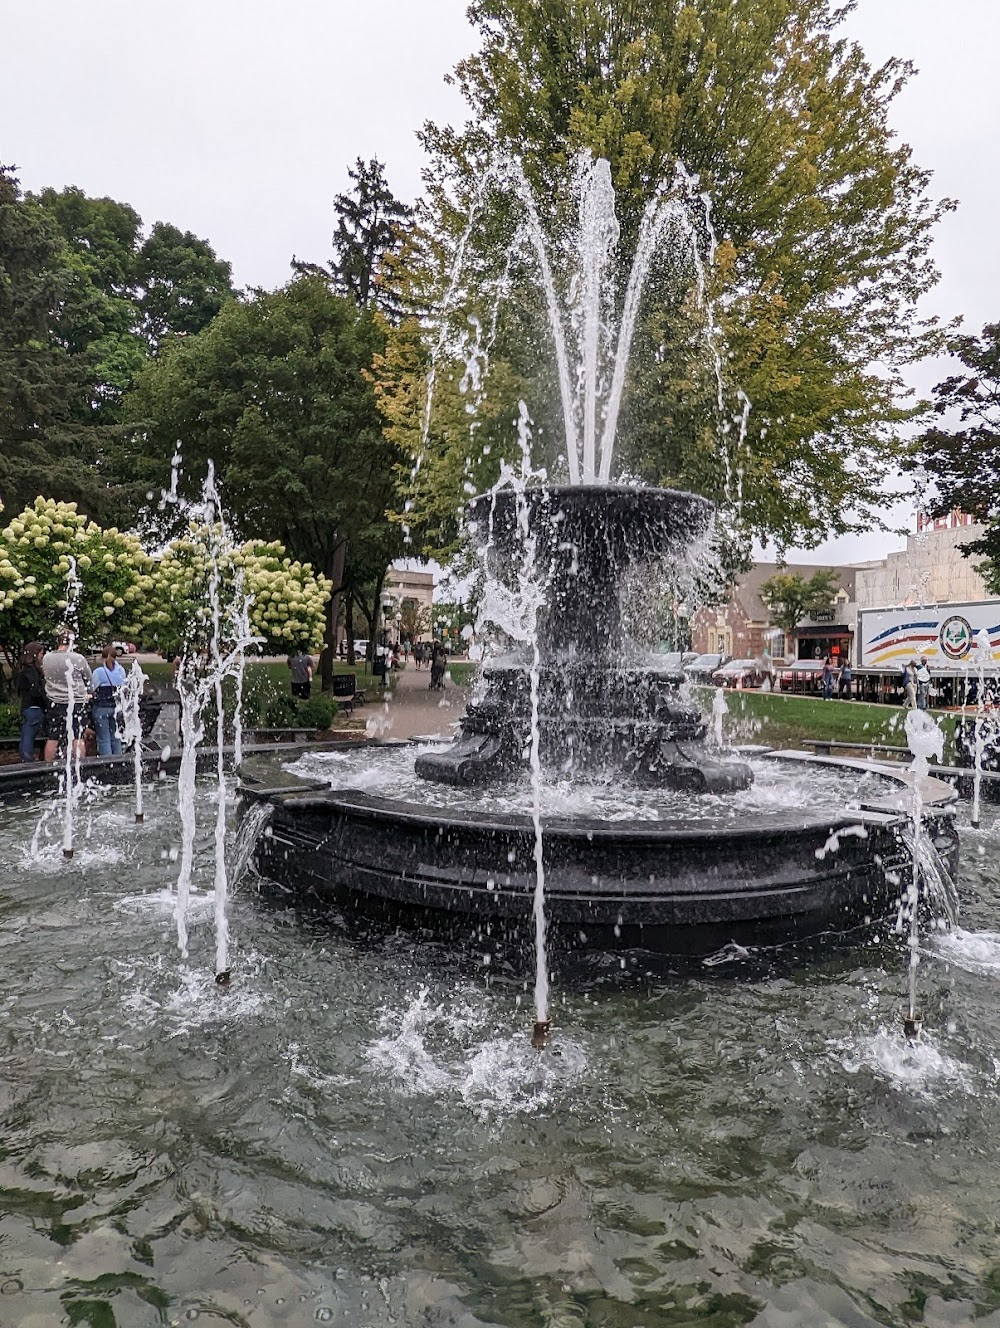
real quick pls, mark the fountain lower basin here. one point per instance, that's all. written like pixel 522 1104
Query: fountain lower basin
pixel 663 877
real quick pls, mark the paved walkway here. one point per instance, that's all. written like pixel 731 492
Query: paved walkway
pixel 411 709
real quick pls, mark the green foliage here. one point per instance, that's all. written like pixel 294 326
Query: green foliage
pixel 789 597
pixel 83 302
pixel 281 712
pixel 49 436
pixel 825 225
pixel 10 721
pixel 276 391
pixel 368 236
pixel 964 462
pixel 37 551
pixel 182 284
pixel 318 712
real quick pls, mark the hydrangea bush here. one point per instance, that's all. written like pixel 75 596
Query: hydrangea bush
pixel 287 599
pixel 162 601
pixel 39 550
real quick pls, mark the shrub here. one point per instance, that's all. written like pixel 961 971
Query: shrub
pixel 317 712
pixel 10 721
pixel 281 712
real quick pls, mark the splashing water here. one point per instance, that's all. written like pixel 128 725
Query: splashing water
pixel 128 702
pixel 925 740
pixel 71 773
pixel 200 679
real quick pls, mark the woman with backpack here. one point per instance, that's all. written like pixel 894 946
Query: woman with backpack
pixel 109 677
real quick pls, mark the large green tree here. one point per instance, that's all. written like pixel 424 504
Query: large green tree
pixel 963 460
pixel 789 596
pixel 50 431
pixel 276 391
pixel 823 219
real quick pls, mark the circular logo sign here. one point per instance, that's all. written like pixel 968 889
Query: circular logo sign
pixel 956 637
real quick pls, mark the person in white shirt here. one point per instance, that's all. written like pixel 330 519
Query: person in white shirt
pixel 67 677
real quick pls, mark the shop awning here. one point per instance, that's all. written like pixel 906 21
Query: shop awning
pixel 827 632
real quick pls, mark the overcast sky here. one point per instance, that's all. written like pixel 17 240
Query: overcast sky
pixel 237 119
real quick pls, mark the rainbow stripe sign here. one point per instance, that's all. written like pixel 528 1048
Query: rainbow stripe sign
pixel 945 636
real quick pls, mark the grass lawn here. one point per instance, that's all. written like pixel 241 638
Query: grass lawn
pixel 787 721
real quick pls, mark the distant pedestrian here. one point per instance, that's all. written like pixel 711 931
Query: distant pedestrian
pixel 67 679
pixel 827 679
pixel 439 664
pixel 910 686
pixel 107 680
pixel 34 701
pixel 845 682
pixel 923 677
pixel 301 666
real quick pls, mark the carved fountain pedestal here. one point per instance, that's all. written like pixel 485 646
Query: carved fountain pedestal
pixel 579 546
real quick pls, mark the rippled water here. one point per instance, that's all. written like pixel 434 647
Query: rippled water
pixel 388 772
pixel 360 1134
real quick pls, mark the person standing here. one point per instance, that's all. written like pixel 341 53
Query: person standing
pixel 910 686
pixel 844 684
pixel 923 679
pixel 108 678
pixel 301 666
pixel 34 701
pixel 439 664
pixel 67 677
pixel 827 678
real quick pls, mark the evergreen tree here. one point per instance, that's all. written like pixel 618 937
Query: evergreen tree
pixel 368 235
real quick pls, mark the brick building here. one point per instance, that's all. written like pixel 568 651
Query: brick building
pixel 742 628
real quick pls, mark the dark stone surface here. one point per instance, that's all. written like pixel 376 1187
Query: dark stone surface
pixel 670 888
pixel 594 713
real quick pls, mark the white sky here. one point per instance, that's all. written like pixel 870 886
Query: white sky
pixel 237 119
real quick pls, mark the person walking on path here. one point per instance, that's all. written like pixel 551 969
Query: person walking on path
pixel 301 666
pixel 34 701
pixel 67 677
pixel 107 679
pixel 439 663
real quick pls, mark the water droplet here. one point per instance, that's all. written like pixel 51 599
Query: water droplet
pixel 11 1287
pixel 323 1314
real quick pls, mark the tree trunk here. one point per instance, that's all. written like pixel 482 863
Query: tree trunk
pixel 335 572
pixel 349 628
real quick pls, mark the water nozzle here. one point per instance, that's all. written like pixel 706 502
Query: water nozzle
pixel 139 818
pixel 540 1033
pixel 67 853
pixel 913 1022
pixel 222 979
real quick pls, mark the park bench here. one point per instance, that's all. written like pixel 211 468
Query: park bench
pixel 825 747
pixel 346 692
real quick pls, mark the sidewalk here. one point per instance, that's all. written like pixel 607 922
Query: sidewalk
pixel 412 710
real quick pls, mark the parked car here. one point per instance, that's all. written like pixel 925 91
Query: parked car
pixel 673 661
pixel 801 675
pixel 701 668
pixel 739 673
